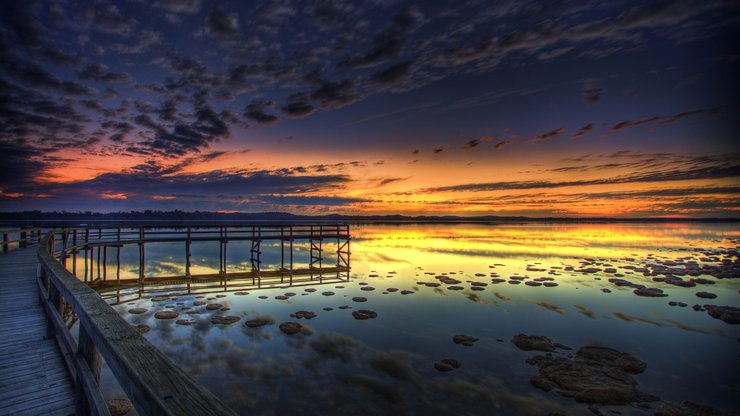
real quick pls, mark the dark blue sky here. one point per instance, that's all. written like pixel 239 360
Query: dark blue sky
pixel 466 107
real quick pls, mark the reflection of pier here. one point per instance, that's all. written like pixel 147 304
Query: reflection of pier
pixel 99 247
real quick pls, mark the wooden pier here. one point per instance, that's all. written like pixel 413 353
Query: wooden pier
pixel 46 369
pixel 100 250
pixel 33 376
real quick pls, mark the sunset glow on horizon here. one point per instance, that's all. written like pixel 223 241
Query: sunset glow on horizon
pixel 515 109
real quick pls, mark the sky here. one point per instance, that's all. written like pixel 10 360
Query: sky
pixel 533 108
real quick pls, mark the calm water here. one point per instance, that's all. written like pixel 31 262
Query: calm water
pixel 340 365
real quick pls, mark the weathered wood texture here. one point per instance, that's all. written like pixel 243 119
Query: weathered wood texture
pixel 152 381
pixel 33 377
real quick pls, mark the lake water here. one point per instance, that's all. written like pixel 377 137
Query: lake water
pixel 385 365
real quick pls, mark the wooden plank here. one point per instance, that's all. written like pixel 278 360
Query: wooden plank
pixel 33 377
pixel 151 380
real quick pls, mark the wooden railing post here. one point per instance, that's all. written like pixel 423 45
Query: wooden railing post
pixel 5 242
pixel 86 349
pixel 23 241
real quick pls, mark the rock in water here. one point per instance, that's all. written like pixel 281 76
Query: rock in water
pixel 533 343
pixel 254 323
pixel 596 375
pixel 706 295
pixel 688 408
pixel 166 315
pixel 224 320
pixel 465 340
pixel 651 292
pixel 363 314
pixel 728 314
pixel 291 328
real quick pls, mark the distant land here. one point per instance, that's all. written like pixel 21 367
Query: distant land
pixel 65 218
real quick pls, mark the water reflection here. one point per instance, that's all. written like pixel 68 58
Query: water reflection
pixel 340 365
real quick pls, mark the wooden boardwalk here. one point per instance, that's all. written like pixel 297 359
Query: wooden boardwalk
pixel 33 377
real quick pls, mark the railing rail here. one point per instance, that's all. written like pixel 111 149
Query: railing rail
pixel 153 383
pixel 26 237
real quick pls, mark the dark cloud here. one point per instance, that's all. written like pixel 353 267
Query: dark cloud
pixel 591 92
pixel 392 75
pixel 501 144
pixel 550 134
pixel 142 182
pixel 477 142
pixel 631 123
pixel 336 94
pixel 109 19
pixel 327 12
pixel 36 76
pixel 255 111
pixel 386 181
pixel 415 152
pixel 298 106
pixel 178 6
pixel 100 73
pixel 221 24
pixel 17 16
pixel 677 174
pixel 583 131
pixel 440 149
pixel 389 42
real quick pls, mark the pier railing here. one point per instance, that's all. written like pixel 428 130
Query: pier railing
pixel 19 238
pixel 99 247
pixel 153 383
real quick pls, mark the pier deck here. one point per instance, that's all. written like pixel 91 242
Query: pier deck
pixel 33 376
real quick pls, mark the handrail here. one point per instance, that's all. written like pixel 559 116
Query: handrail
pixel 27 236
pixel 153 383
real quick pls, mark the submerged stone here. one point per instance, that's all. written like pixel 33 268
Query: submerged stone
pixel 363 314
pixel 143 328
pixel 290 328
pixel 533 343
pixel 137 311
pixel 224 320
pixel 166 315
pixel 214 306
pixel 359 299
pixel 728 314
pixel 303 315
pixel 465 340
pixel 706 295
pixel 652 292
pixel 254 323
pixel 596 375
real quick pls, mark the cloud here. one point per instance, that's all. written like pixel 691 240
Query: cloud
pixel 99 73
pixel 631 123
pixel 667 175
pixel 36 76
pixel 550 134
pixel 393 74
pixel 501 144
pixel 591 92
pixel 583 131
pixel 336 94
pixel 471 144
pixel 389 42
pixel 298 106
pixel 219 189
pixel 221 24
pixel 178 6
pixel 440 149
pixel 255 111
pixel 107 18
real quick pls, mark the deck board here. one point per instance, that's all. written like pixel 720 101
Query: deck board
pixel 33 377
